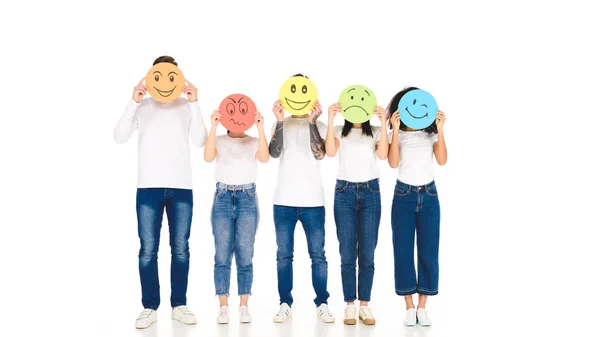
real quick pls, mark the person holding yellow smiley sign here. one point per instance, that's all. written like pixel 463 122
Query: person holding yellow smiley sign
pixel 165 122
pixel 298 143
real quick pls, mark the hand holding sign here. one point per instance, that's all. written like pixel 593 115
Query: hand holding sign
pixel 139 91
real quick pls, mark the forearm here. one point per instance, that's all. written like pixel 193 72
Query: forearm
pixel 210 148
pixel 276 145
pixel 197 128
pixel 439 149
pixel 330 147
pixel 394 151
pixel 127 124
pixel 263 149
pixel 317 145
pixel 383 146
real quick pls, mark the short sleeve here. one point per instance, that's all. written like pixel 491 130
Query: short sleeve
pixel 337 131
pixel 377 133
pixel 255 144
pixel 322 129
pixel 434 137
pixel 218 143
pixel 390 134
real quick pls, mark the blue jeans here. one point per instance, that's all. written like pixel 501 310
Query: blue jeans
pixel 150 206
pixel 313 222
pixel 234 220
pixel 416 208
pixel 357 211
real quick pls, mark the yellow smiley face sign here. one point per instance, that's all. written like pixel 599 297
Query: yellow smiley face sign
pixel 298 95
pixel 165 82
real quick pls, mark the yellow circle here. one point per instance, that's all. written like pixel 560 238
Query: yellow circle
pixel 165 82
pixel 298 95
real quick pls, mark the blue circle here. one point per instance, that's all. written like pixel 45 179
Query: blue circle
pixel 417 109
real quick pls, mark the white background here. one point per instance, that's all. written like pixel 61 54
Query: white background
pixel 518 81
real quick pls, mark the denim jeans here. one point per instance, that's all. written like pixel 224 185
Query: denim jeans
pixel 357 211
pixel 416 208
pixel 150 206
pixel 313 222
pixel 234 220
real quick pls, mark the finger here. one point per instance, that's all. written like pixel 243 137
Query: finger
pixel 188 82
pixel 141 81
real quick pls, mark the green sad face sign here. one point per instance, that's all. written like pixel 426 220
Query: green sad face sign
pixel 357 103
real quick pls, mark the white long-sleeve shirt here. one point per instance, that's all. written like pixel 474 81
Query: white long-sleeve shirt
pixel 164 130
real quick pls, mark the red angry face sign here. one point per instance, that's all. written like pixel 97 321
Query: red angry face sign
pixel 237 112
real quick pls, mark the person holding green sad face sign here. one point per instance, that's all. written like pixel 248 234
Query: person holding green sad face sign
pixel 357 201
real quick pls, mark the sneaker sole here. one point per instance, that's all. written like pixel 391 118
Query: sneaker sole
pixel 367 321
pixel 424 324
pixel 182 322
pixel 282 320
pixel 410 324
pixel 144 327
pixel 350 321
pixel 245 321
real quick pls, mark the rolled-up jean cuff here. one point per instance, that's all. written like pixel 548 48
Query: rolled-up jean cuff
pixel 406 292
pixel 364 299
pixel 225 294
pixel 352 300
pixel 427 292
pixel 246 294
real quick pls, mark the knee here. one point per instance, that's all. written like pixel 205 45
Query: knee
pixel 318 256
pixel 148 248
pixel 180 250
pixel 285 255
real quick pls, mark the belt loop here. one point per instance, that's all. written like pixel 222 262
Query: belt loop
pixel 244 188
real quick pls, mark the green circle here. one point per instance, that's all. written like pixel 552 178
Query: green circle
pixel 357 103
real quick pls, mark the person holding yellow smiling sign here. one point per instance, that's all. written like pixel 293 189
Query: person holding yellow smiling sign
pixel 299 196
pixel 165 122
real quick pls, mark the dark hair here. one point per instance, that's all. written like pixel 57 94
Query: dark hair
pixel 300 75
pixel 393 106
pixel 165 58
pixel 366 129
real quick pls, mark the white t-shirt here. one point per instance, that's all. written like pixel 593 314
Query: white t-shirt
pixel 299 178
pixel 236 160
pixel 358 159
pixel 164 130
pixel 416 157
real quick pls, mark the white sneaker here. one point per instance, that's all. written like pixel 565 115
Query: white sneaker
pixel 223 317
pixel 183 314
pixel 350 315
pixel 411 317
pixel 146 318
pixel 324 314
pixel 245 316
pixel 284 313
pixel 422 317
pixel 366 316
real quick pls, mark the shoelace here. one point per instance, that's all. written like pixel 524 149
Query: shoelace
pixel 145 313
pixel 324 311
pixel 244 311
pixel 366 312
pixel 282 310
pixel 223 311
pixel 423 314
pixel 185 310
pixel 351 312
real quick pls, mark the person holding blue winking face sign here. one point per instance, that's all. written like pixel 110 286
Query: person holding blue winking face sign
pixel 417 136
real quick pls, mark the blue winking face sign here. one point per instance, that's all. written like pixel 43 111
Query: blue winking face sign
pixel 417 109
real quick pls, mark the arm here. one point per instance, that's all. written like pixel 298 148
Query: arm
pixel 439 147
pixel 317 145
pixel 263 149
pixel 394 151
pixel 332 144
pixel 127 124
pixel 382 146
pixel 276 145
pixel 210 148
pixel 197 127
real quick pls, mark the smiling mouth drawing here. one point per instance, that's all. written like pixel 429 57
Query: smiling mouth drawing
pixel 298 105
pixel 234 122
pixel 165 93
pixel 357 106
pixel 413 116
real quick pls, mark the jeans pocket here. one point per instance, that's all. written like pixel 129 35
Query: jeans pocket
pixel 340 186
pixel 250 193
pixel 431 190
pixel 401 190
pixel 374 187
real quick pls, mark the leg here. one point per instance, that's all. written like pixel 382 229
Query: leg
pixel 428 241
pixel 313 221
pixel 409 302
pixel 223 233
pixel 422 301
pixel 150 208
pixel 179 212
pixel 285 219
pixel 403 235
pixel 346 221
pixel 246 224
pixel 368 232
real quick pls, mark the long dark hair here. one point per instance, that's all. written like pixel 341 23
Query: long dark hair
pixel 366 128
pixel 393 106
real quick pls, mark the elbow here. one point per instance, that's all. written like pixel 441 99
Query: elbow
pixel 331 153
pixel 442 162
pixel 382 156
pixel 264 159
pixel 393 164
pixel 119 139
